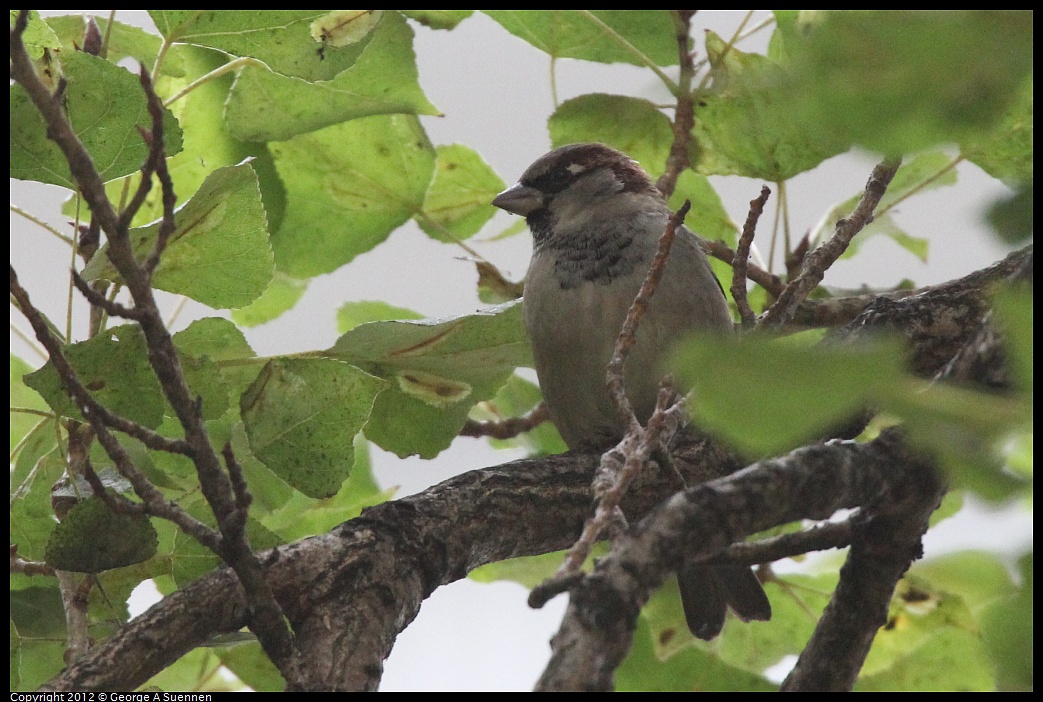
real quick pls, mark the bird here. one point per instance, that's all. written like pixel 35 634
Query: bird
pixel 596 218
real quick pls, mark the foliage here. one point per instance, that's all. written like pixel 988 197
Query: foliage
pixel 295 146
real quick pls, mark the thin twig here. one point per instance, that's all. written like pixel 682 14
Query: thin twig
pixel 742 256
pixel 88 406
pixel 243 498
pixel 507 428
pixel 819 260
pixel 823 537
pixel 684 114
pixel 36 220
pixel 99 301
pixel 628 334
pixel 722 252
pixel 159 165
pixel 623 463
pixel 101 419
pixel 636 449
pixel 20 565
pixel 116 503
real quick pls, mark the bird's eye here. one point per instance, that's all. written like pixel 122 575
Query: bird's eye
pixel 555 180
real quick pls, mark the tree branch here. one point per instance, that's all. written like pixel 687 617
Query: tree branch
pixel 819 260
pixel 684 113
pixel 364 581
pixel 810 483
pixel 887 540
pixel 233 545
pixel 740 264
pixel 509 427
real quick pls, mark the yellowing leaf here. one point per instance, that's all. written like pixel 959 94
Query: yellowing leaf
pixel 343 27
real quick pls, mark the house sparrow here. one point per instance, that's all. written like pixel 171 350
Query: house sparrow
pixel 596 218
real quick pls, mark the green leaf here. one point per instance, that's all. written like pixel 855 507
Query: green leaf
pixel 1006 151
pixel 607 36
pixel 267 106
pixel 39 38
pixel 38 635
pixel 689 669
pixel 885 225
pixel 901 82
pixel 517 397
pixel 92 538
pixel 206 383
pixel 302 516
pixel 22 396
pixel 123 41
pixel 922 173
pixel 953 659
pixel 1014 315
pixel 302 415
pixel 1011 217
pixel 438 19
pixel 340 28
pixel 189 559
pixel 282 39
pixel 932 639
pixel 348 186
pixel 745 126
pixel 457 203
pixel 1007 630
pixel 199 669
pixel 964 430
pixel 250 664
pixel 437 369
pixel 978 578
pixel 282 294
pixel 31 514
pixel 105 105
pixel 208 143
pixel 214 337
pixel 219 252
pixel 114 367
pixel 528 571
pixel 767 397
pixel 635 127
pixel 220 340
pixel 352 314
pixel 707 218
pixel 494 287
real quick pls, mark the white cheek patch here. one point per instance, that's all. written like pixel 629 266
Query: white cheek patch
pixel 575 168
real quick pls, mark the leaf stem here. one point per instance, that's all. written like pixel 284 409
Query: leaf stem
pixel 233 65
pixel 631 49
pixel 36 220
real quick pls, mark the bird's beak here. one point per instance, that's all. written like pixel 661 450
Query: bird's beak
pixel 519 199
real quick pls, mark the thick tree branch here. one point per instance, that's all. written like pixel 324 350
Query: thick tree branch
pixel 886 541
pixel 810 483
